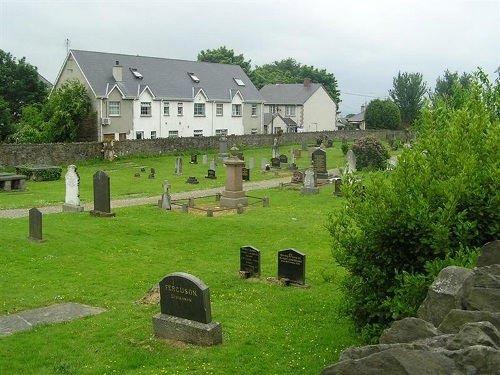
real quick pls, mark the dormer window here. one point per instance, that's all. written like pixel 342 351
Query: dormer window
pixel 239 82
pixel 136 73
pixel 193 77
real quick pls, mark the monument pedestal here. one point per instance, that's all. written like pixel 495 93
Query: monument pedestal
pixel 185 330
pixel 233 194
pixel 72 208
pixel 310 190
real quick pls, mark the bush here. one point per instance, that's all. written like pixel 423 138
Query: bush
pixel 40 173
pixel 345 148
pixel 437 208
pixel 370 153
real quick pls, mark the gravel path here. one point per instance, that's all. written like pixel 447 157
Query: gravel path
pixel 23 212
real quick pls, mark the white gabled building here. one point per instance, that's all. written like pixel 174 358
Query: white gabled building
pixel 137 97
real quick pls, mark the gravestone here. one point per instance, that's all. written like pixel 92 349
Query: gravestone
pixel 35 225
pixel 192 180
pixel 102 195
pixel 233 193
pixel 212 165
pixel 310 186
pixel 251 163
pixel 298 177
pixel 292 266
pixel 249 262
pixel 153 171
pixel 223 148
pixel 165 202
pixel 186 313
pixel 263 164
pixel 211 174
pixel 275 163
pixel 194 159
pixel 292 167
pixel 351 162
pixel 72 199
pixel 143 169
pixel 137 175
pixel 241 156
pixel 283 159
pixel 319 163
pixel 276 150
pixel 338 184
pixel 245 174
pixel 205 159
pixel 297 153
pixel 178 166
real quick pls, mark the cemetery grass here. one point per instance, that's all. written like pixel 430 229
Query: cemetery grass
pixel 124 185
pixel 113 262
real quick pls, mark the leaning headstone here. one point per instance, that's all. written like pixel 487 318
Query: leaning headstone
pixel 72 200
pixel 245 174
pixel 178 166
pixel 102 195
pixel 351 161
pixel 249 262
pixel 165 201
pixel 186 313
pixel 35 219
pixel 292 267
pixel 310 186
pixel 319 163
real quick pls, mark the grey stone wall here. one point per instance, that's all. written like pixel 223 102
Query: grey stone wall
pixel 65 153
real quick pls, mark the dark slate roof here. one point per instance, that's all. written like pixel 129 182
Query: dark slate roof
pixel 166 78
pixel 293 94
pixel 357 118
pixel 269 117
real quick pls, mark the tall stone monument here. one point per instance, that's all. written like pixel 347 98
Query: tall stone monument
pixel 72 200
pixel 233 194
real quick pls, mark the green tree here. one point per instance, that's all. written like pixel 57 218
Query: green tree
pixel 451 85
pixel 382 114
pixel 59 119
pixel 436 209
pixel 20 85
pixel 223 55
pixel 6 127
pixel 290 71
pixel 408 94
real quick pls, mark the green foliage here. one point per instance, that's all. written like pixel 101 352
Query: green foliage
pixel 345 148
pixel 58 120
pixel 437 208
pixel 46 173
pixel 223 55
pixel 382 114
pixel 290 71
pixel 20 85
pixel 408 94
pixel 370 153
pixel 450 86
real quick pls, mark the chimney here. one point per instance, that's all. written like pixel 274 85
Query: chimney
pixel 362 107
pixel 117 72
pixel 307 82
pixel 279 82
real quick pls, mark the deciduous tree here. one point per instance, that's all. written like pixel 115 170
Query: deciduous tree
pixel 382 114
pixel 408 94
pixel 223 55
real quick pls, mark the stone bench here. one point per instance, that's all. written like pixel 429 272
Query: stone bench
pixel 11 181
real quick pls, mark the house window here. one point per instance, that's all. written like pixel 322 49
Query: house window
pixel 114 108
pixel 277 130
pixel 289 110
pixel 166 108
pixel 254 131
pixel 254 110
pixel 199 109
pixel 179 109
pixel 173 133
pixel 219 109
pixel 236 110
pixel 239 82
pixel 198 133
pixel 194 77
pixel 153 134
pixel 220 132
pixel 139 135
pixel 272 108
pixel 145 108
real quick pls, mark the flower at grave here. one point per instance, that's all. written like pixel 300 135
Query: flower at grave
pixel 370 153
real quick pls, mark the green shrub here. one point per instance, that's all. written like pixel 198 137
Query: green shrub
pixel 40 173
pixel 437 208
pixel 370 153
pixel 345 148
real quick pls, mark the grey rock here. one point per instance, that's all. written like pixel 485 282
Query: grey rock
pixel 408 330
pixel 477 360
pixel 358 352
pixel 456 318
pixel 490 254
pixel 471 334
pixel 482 289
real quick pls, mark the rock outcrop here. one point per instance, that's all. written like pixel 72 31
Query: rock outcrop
pixel 456 331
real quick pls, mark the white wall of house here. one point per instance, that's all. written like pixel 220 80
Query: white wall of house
pixel 319 112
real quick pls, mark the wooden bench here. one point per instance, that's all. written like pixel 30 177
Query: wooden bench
pixel 12 181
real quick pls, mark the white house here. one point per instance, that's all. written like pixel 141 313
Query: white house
pixel 138 97
pixel 305 107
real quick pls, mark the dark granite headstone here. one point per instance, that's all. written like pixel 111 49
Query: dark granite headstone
pixel 275 163
pixel 194 159
pixel 102 192
pixel 319 163
pixel 211 174
pixel 192 180
pixel 241 156
pixel 292 266
pixel 35 218
pixel 153 171
pixel 250 261
pixel 338 184
pixel 245 174
pixel 185 296
pixel 283 159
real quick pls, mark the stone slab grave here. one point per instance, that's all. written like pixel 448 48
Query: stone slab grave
pixel 102 196
pixel 12 181
pixel 249 262
pixel 292 267
pixel 72 198
pixel 186 313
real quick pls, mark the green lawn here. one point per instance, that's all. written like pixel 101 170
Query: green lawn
pixel 112 263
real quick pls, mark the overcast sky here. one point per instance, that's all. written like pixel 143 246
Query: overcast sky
pixel 363 43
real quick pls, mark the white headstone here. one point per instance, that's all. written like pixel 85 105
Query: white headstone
pixel 250 163
pixel 351 161
pixel 205 159
pixel 178 166
pixel 72 186
pixel 309 179
pixel 263 163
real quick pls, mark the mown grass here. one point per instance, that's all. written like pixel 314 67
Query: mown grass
pixel 112 263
